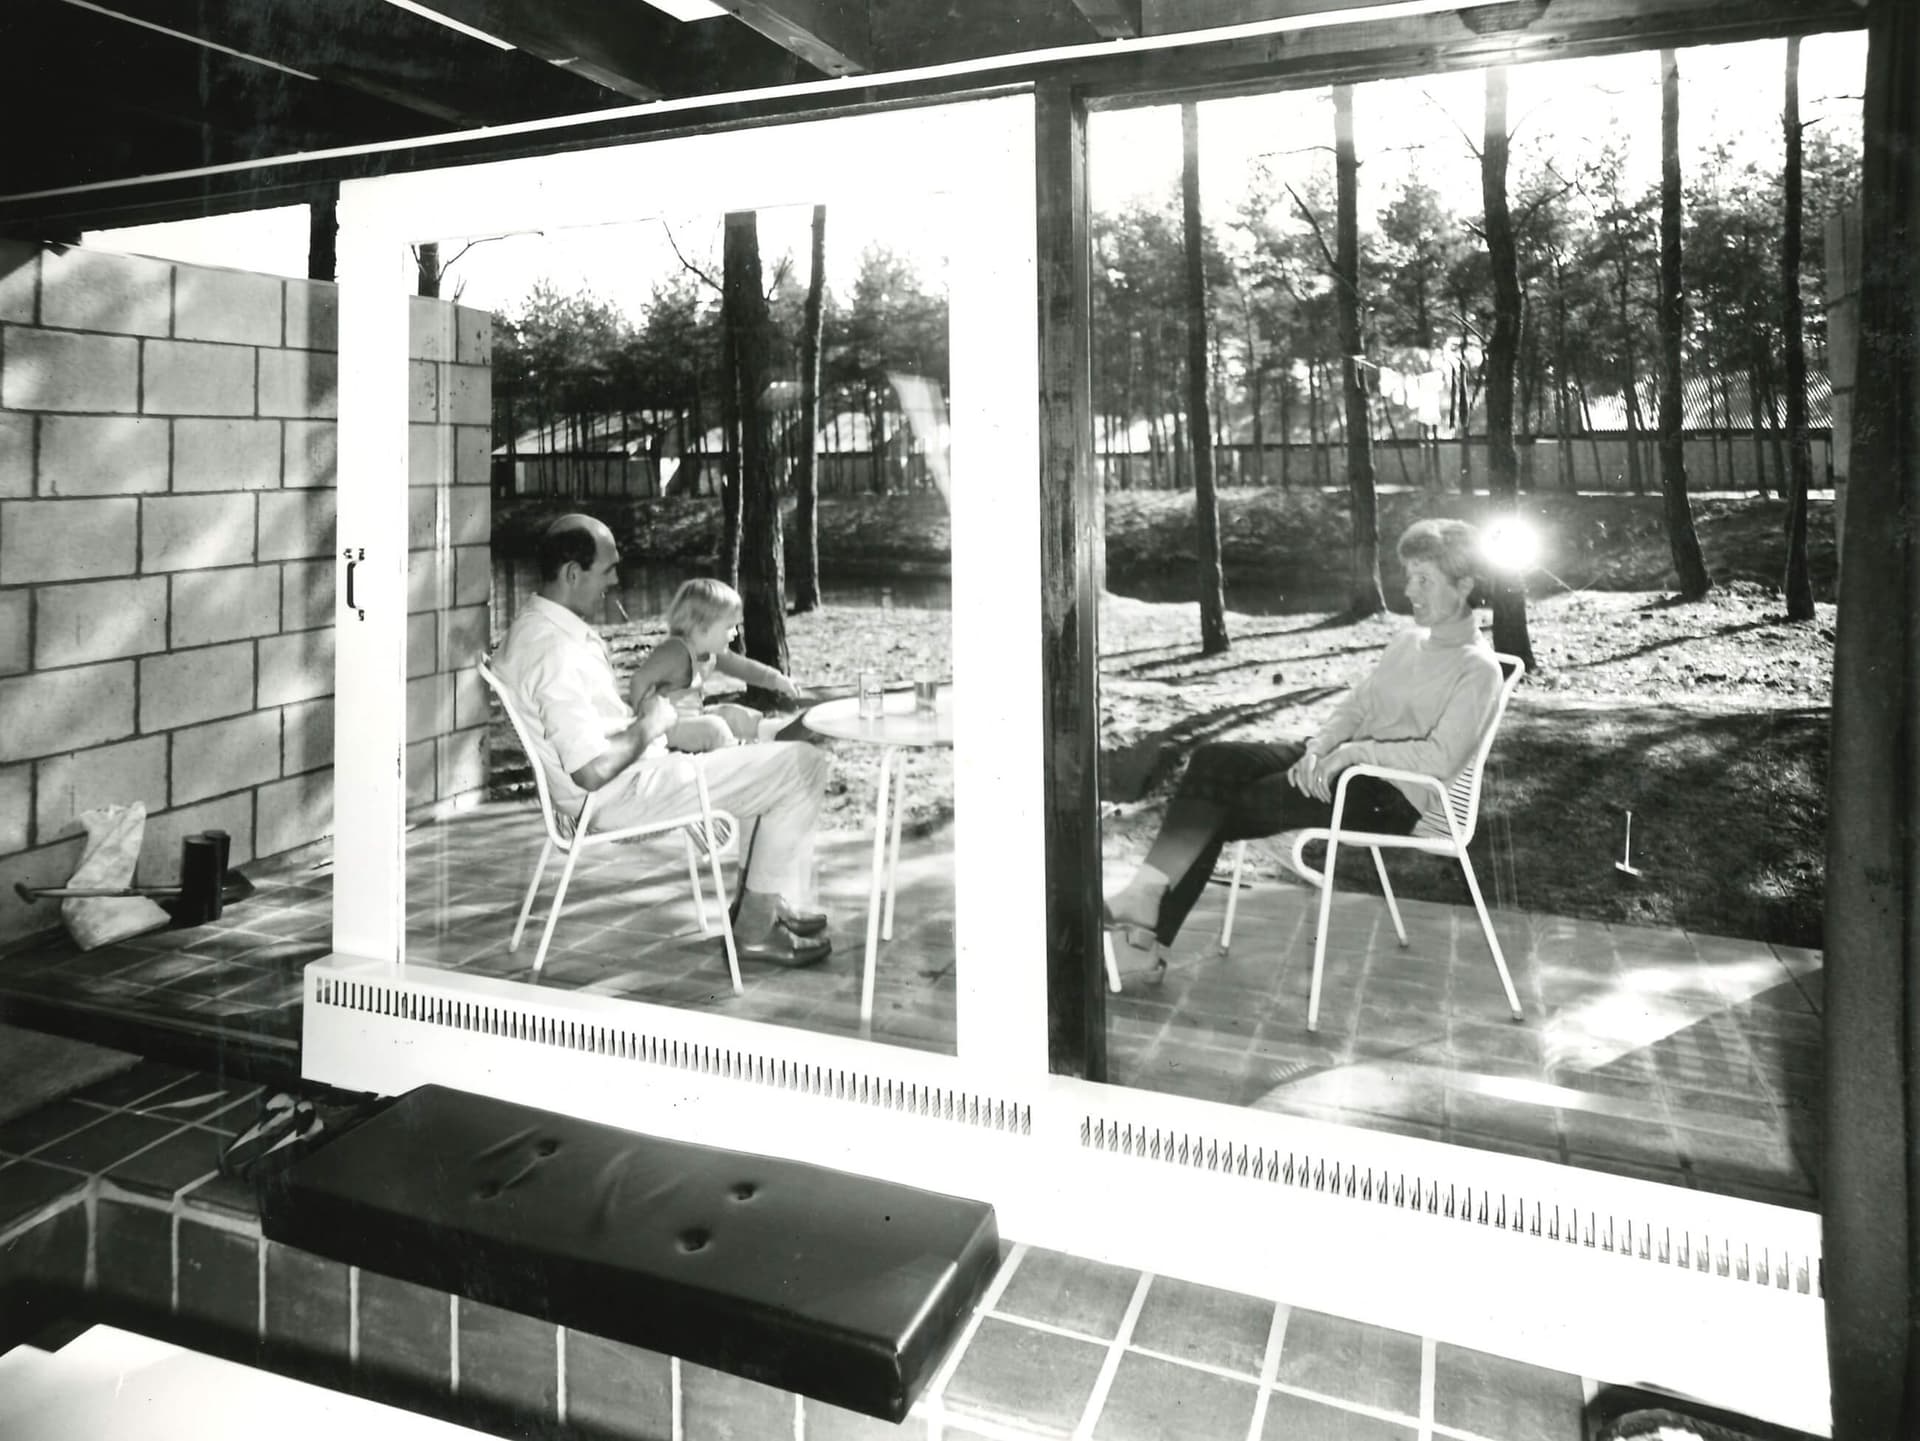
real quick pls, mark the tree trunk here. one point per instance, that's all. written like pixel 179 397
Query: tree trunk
pixel 806 484
pixel 762 560
pixel 427 268
pixel 1206 508
pixel 1503 481
pixel 1798 586
pixel 1757 417
pixel 1688 563
pixel 729 559
pixel 1363 570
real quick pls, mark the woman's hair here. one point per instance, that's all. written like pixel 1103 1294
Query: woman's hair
pixel 701 602
pixel 1452 545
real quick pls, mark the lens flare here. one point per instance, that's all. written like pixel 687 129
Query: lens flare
pixel 1510 544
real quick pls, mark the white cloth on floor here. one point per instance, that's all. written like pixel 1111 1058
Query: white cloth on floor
pixel 114 834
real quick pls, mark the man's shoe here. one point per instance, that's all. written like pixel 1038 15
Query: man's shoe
pixel 783 948
pixel 806 924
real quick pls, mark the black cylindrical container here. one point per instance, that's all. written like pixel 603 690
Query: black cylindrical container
pixel 200 898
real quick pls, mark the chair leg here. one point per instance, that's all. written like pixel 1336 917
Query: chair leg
pixel 1113 966
pixel 1233 894
pixel 693 879
pixel 1386 889
pixel 879 879
pixel 726 921
pixel 1493 941
pixel 893 848
pixel 559 899
pixel 1320 939
pixel 533 889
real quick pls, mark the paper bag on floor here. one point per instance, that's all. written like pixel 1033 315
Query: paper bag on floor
pixel 114 834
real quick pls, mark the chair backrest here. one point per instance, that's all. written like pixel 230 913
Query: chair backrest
pixel 1463 795
pixel 539 754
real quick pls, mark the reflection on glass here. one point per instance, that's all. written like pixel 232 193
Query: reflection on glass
pixel 1669 983
pixel 610 397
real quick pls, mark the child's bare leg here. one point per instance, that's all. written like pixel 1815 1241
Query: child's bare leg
pixel 742 721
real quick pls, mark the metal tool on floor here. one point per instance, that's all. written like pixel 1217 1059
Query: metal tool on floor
pixel 1625 863
pixel 207 886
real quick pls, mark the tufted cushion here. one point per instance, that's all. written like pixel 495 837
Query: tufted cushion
pixel 837 1286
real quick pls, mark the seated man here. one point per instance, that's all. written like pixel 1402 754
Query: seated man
pixel 563 673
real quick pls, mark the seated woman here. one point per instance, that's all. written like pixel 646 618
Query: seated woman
pixel 1423 708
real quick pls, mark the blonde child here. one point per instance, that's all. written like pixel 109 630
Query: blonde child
pixel 701 622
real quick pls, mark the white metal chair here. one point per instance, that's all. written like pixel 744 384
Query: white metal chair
pixel 1443 832
pixel 572 835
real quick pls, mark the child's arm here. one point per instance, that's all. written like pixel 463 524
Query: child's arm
pixel 756 674
pixel 668 666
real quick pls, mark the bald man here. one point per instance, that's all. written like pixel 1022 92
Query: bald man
pixel 562 673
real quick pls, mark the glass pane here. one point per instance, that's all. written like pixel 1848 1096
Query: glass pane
pixel 1651 822
pixel 610 398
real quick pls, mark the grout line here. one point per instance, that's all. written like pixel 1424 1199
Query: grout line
pixel 1225 1373
pixel 1269 1368
pixel 934 1398
pixel 1103 1383
pixel 453 1344
pixel 560 1374
pixel 677 1401
pixel 260 1288
pixel 1427 1379
pixel 353 1315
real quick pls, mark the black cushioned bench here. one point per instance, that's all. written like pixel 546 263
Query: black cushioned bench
pixel 837 1286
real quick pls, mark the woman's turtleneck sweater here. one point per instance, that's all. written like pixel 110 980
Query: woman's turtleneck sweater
pixel 1423 708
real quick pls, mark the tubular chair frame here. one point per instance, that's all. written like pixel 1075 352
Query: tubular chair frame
pixel 1458 810
pixel 712 826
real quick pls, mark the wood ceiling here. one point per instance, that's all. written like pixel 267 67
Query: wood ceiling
pixel 110 90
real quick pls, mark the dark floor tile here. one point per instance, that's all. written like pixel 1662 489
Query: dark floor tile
pixel 225 1195
pixel 1069 1291
pixel 1030 1378
pixel 831 1423
pixel 29 1186
pixel 179 1161
pixel 1155 1400
pixel 1510 1400
pixel 1351 1361
pixel 406 1331
pixel 716 1406
pixel 307 1303
pixel 102 1146
pixel 617 1392
pixel 508 1360
pixel 133 1252
pixel 220 1278
pixel 1202 1323
pixel 49 1123
pixel 1295 1418
pixel 131 1087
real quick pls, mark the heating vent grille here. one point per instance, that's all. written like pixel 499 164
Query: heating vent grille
pixel 735 1063
pixel 1537 1219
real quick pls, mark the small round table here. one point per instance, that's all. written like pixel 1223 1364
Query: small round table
pixel 900 726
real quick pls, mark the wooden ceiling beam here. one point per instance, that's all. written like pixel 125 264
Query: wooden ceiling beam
pixel 1113 19
pixel 833 36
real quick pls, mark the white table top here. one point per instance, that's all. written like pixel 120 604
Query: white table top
pixel 899 725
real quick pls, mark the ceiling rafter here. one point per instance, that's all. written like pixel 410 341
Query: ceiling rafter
pixel 833 36
pixel 1113 19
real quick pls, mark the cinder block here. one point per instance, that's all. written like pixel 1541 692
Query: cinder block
pixel 226 454
pixel 423 392
pixel 295 812
pixel 472 574
pixel 299 384
pixel 423 773
pixel 43 866
pixel 16 454
pixel 473 330
pixel 313 315
pixel 47 712
pixel 424 568
pixel 77 781
pixel 295 667
pixel 306 594
pixel 423 643
pixel 42 540
pixel 313 453
pixel 191 377
pixel 210 606
pixel 102 455
pixel 223 756
pixel 15 633
pixel 429 706
pixel 423 513
pixel 296 524
pixel 160 853
pixel 191 686
pixel 469 698
pixel 429 328
pixel 97 290
pixel 463 636
pixel 472 455
pixel 467 391
pixel 235 306
pixel 60 370
pixel 429 455
pixel 16 807
pixel 470 515
pixel 19 280
pixel 306 736
pixel 463 763
pixel 103 620
pixel 196 532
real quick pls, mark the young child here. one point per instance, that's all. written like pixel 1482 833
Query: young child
pixel 701 622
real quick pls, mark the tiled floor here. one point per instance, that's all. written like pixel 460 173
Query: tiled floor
pixel 1689 1059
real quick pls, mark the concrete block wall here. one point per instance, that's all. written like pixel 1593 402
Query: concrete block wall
pixel 166 557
